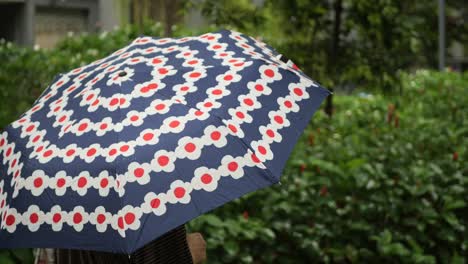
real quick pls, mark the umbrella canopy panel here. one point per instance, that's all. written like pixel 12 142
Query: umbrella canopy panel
pixel 116 153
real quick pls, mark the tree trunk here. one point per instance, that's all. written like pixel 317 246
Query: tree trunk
pixel 334 50
pixel 171 16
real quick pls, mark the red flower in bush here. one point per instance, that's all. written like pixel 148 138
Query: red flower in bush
pixel 323 191
pixel 455 156
pixel 302 168
pixel 245 214
pixel 390 111
pixel 311 139
pixel 397 121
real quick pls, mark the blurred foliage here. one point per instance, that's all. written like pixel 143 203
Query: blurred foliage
pixel 385 180
pixel 17 256
pixel 347 43
pixel 242 15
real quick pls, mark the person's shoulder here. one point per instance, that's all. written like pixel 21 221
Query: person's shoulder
pixel 197 246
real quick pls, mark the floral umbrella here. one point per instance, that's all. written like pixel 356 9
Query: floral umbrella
pixel 118 152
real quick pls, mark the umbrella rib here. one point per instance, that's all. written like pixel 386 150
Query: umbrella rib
pixel 269 172
pixel 116 168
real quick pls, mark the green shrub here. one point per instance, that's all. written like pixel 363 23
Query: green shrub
pixel 371 185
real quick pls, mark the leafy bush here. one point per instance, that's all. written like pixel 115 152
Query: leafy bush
pixel 385 180
pixel 345 43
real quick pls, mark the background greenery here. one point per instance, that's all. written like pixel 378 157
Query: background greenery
pixel 384 179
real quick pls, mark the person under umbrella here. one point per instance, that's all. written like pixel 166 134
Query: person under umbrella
pixel 172 247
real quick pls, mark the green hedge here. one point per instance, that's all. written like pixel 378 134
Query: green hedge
pixel 384 180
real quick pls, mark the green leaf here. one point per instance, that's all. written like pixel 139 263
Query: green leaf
pixel 213 220
pixel 355 163
pixel 231 247
pixel 456 204
pixel 25 255
pixel 4 259
pixel 452 220
pixel 325 165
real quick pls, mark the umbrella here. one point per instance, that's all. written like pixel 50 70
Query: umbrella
pixel 118 152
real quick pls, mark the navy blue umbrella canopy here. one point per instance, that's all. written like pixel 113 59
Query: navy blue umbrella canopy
pixel 116 153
